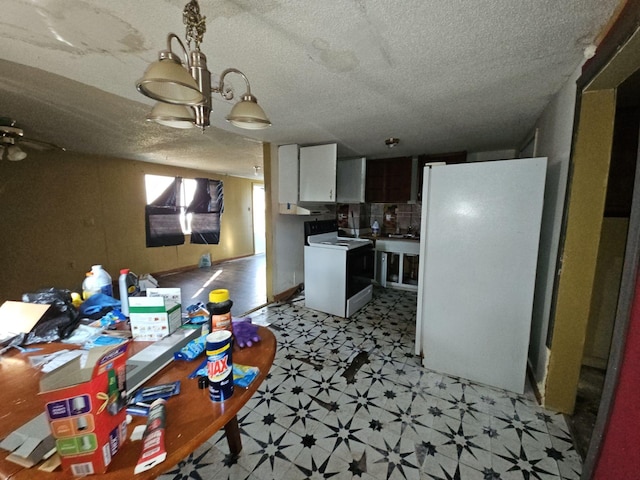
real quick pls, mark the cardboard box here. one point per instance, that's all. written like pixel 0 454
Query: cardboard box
pixel 19 317
pixel 173 294
pixel 85 406
pixel 146 281
pixel 30 443
pixel 153 318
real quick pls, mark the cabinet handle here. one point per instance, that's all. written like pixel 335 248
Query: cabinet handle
pixel 331 194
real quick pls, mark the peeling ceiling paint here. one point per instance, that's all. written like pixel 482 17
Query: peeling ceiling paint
pixel 441 76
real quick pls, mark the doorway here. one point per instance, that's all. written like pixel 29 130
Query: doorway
pixel 609 264
pixel 601 88
pixel 259 236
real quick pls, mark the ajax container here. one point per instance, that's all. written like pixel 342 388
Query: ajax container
pixel 219 365
pixel 219 307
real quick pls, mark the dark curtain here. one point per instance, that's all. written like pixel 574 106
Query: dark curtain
pixel 162 218
pixel 206 208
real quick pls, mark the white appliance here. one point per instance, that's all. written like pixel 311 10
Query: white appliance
pixel 337 270
pixel 478 255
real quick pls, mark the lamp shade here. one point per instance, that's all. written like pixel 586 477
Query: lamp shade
pixel 176 116
pixel 15 154
pixel 248 114
pixel 168 81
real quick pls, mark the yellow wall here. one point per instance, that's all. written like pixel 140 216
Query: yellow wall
pixel 63 212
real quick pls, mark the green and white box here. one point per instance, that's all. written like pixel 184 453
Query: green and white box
pixel 153 318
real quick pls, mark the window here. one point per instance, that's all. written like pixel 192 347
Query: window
pixel 177 206
pixel 155 185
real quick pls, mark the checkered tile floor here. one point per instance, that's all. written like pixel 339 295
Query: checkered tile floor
pixel 347 398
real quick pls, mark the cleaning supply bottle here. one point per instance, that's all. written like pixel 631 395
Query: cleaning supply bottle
pixel 88 286
pixel 219 307
pixel 102 280
pixel 128 287
pixel 76 299
pixel 375 228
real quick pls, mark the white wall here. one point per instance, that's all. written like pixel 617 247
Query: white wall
pixel 492 155
pixel 288 238
pixel 554 136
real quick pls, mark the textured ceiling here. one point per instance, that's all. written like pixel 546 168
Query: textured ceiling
pixel 439 75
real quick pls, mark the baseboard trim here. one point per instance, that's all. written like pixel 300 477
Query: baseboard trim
pixel 187 268
pixel 533 383
pixel 287 294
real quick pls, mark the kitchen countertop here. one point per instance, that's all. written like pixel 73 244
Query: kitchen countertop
pixel 394 237
pixel 373 238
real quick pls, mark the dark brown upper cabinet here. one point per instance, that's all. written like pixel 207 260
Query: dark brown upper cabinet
pixel 388 180
pixel 448 158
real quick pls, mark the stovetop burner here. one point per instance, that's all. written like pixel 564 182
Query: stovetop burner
pixel 332 240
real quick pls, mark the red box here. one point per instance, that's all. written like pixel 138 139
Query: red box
pixel 86 409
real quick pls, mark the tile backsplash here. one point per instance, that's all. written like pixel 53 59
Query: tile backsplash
pixel 392 217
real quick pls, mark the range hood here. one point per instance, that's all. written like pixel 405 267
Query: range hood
pixel 306 209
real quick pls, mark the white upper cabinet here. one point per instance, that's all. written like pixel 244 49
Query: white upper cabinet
pixel 351 180
pixel 318 165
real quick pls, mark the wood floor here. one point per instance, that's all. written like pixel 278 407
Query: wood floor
pixel 583 420
pixel 245 278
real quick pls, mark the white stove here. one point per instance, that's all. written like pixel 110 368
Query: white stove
pixel 332 240
pixel 337 270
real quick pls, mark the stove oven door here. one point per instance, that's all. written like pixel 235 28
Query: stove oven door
pixel 360 269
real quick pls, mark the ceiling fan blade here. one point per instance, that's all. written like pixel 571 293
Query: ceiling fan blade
pixel 39 144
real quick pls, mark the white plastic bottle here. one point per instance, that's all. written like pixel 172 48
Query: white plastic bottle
pixel 128 286
pixel 88 286
pixel 375 228
pixel 102 280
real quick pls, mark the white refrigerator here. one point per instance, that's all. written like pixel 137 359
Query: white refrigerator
pixel 479 241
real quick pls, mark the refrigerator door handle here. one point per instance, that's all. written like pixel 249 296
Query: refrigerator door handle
pixel 422 265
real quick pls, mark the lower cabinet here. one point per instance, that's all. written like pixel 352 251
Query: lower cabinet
pixel 397 263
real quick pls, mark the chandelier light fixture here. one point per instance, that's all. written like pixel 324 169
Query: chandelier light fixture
pixel 14 153
pixel 8 135
pixel 183 89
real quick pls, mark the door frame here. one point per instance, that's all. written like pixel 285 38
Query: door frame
pixel 618 57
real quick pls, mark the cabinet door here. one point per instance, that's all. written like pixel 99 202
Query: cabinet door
pixel 374 184
pixel 448 158
pixel 388 180
pixel 288 174
pixel 350 180
pixel 318 173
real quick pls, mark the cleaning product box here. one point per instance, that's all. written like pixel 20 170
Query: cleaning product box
pixel 153 318
pixel 85 406
pixel 173 294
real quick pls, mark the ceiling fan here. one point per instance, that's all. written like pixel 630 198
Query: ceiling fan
pixel 12 138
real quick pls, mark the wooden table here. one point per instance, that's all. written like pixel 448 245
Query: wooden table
pixel 191 417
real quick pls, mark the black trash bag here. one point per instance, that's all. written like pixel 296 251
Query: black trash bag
pixel 58 322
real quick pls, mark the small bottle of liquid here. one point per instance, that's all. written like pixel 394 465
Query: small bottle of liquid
pixel 375 228
pixel 128 287
pixel 219 307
